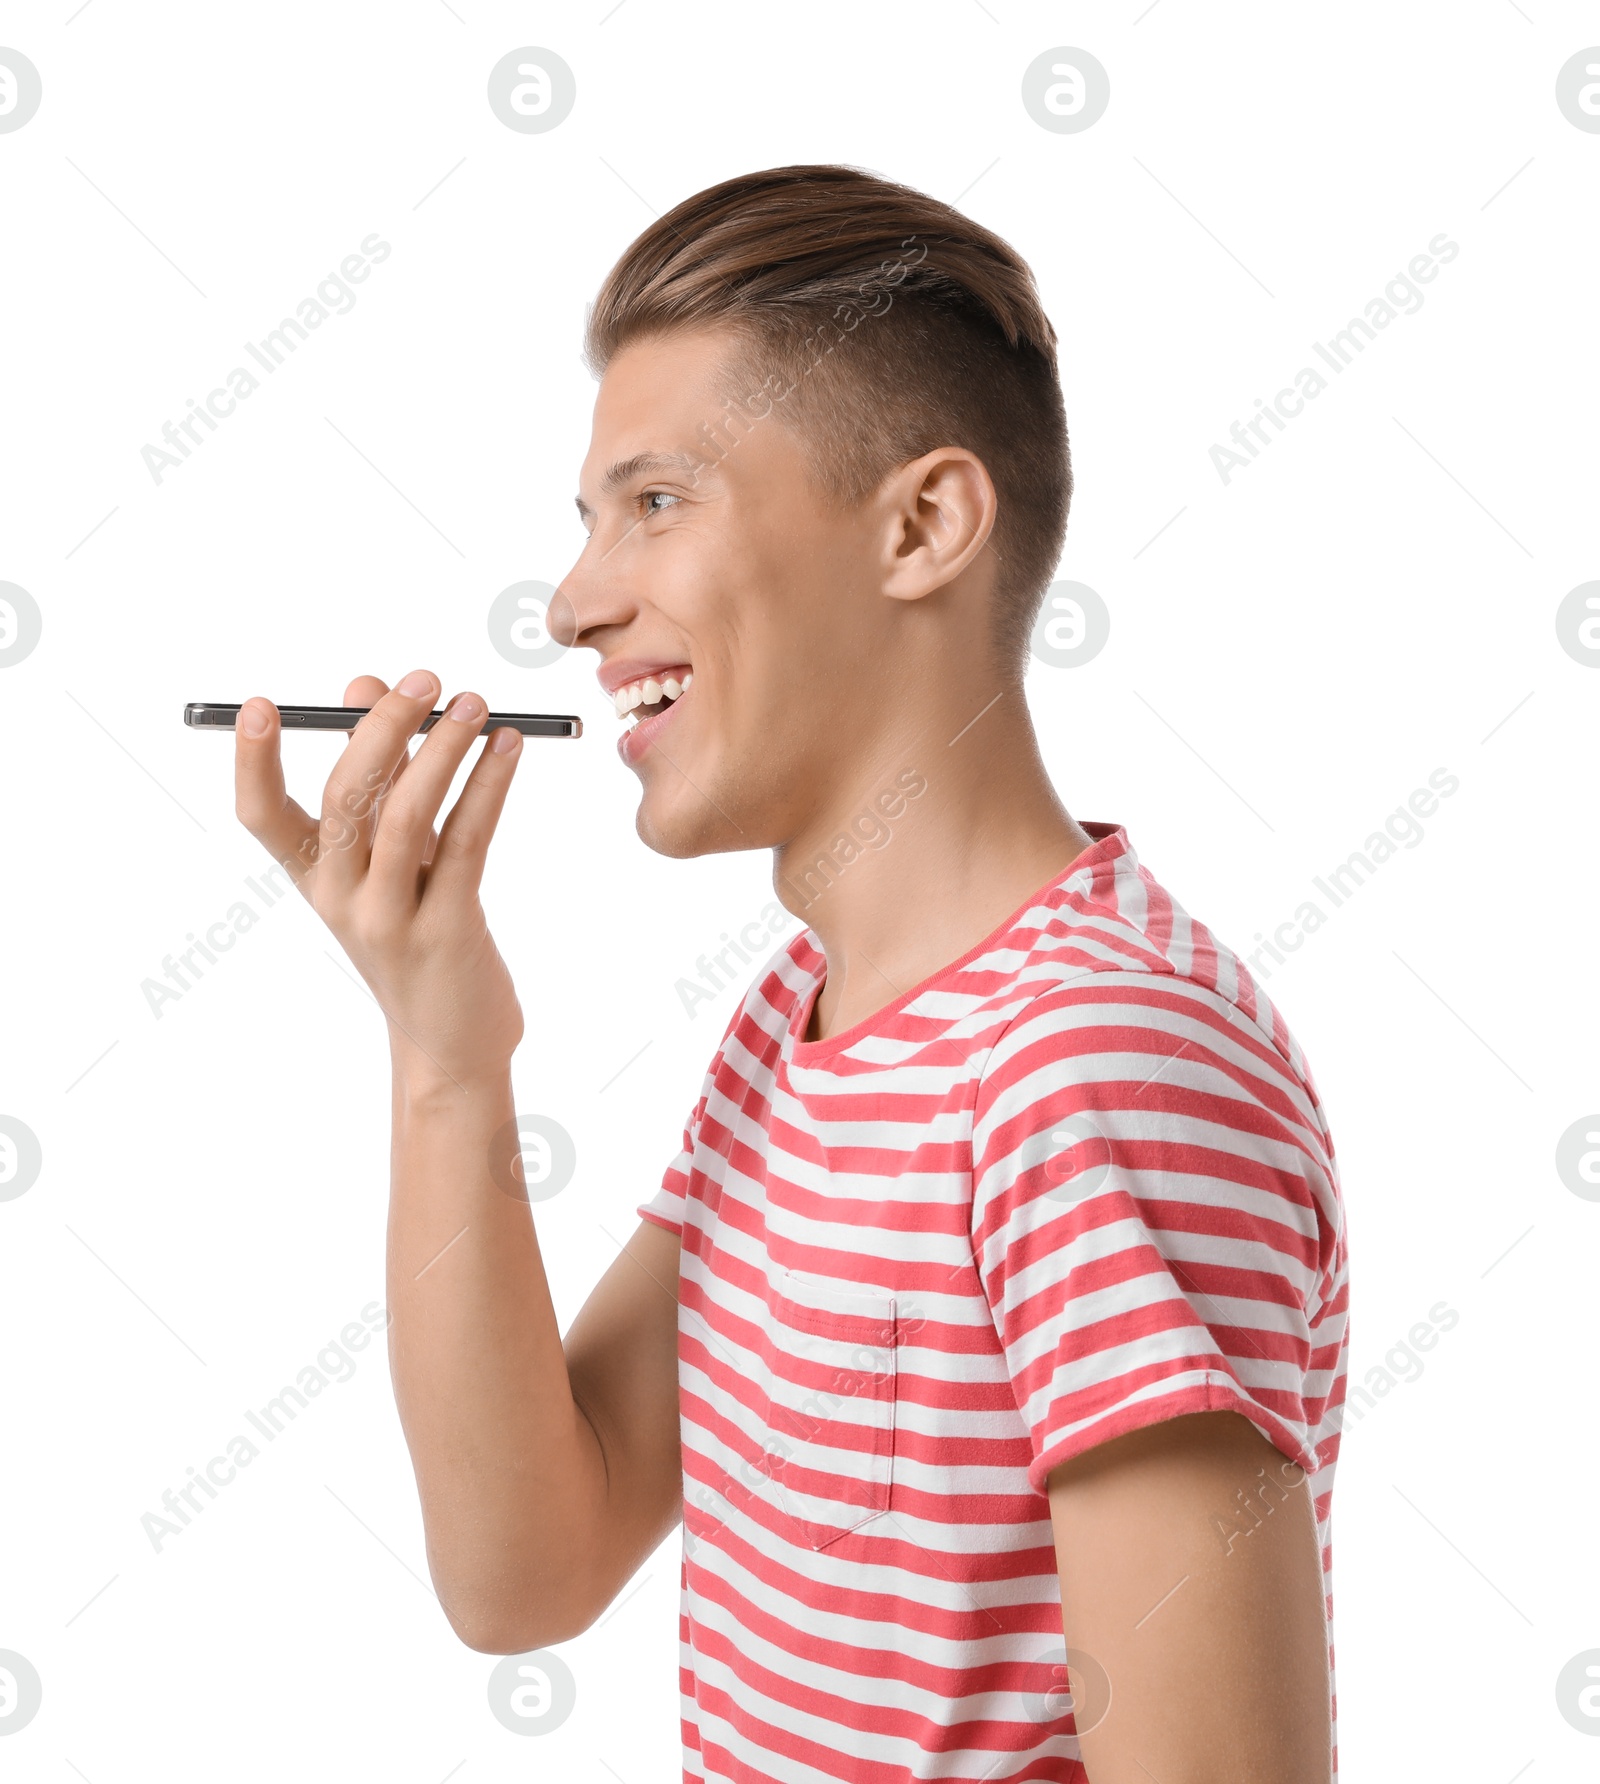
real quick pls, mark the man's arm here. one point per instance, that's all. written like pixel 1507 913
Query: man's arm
pixel 548 1469
pixel 1191 1573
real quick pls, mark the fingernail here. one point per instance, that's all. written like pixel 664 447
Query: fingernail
pixel 467 707
pixel 419 681
pixel 506 738
pixel 252 721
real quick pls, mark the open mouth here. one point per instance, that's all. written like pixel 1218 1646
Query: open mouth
pixel 650 696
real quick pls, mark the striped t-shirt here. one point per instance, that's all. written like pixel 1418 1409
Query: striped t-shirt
pixel 1076 1182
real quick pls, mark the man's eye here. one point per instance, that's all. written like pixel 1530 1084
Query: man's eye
pixel 657 495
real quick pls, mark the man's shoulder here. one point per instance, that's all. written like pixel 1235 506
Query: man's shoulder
pixel 1117 968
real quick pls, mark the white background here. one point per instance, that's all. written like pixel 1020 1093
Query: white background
pixel 1372 599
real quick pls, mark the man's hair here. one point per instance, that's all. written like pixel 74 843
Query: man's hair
pixel 900 326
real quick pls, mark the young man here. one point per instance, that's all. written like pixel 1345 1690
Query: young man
pixel 993 1312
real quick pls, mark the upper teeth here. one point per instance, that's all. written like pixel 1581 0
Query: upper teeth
pixel 648 691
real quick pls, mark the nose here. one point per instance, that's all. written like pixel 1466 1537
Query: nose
pixel 561 620
pixel 588 599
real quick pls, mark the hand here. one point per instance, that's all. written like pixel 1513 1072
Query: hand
pixel 400 896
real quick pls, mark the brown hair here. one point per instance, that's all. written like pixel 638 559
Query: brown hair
pixel 947 343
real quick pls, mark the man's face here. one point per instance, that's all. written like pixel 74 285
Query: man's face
pixel 739 574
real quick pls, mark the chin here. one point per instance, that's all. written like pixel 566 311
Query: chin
pixel 728 806
pixel 681 823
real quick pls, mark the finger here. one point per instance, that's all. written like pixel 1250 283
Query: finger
pixel 432 844
pixel 360 777
pixel 470 824
pixel 433 835
pixel 410 808
pixel 365 691
pixel 260 799
pixel 406 761
pixel 368 690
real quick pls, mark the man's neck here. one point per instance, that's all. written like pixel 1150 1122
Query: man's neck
pixel 922 856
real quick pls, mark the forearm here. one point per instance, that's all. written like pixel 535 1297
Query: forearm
pixel 509 1470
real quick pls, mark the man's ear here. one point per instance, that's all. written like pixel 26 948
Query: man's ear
pixel 938 512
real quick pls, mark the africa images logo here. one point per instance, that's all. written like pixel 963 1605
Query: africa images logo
pixel 332 297
pixel 1400 297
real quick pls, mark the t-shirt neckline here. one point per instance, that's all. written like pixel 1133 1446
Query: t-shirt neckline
pixel 1110 841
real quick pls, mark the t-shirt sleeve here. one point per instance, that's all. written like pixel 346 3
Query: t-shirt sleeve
pixel 665 1208
pixel 1154 1219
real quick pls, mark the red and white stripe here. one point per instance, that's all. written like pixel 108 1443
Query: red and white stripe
pixel 1077 1182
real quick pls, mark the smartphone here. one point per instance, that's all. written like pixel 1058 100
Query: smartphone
pixel 209 715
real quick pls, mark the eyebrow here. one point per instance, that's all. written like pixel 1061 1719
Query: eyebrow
pixel 626 469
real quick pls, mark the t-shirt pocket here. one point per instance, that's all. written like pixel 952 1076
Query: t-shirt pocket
pixel 829 1389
